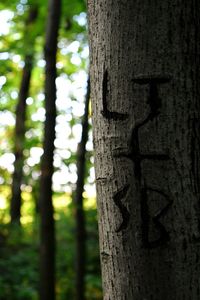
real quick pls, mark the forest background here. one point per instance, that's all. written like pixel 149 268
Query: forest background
pixel 20 241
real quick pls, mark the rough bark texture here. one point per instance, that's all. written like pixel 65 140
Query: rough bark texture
pixel 20 125
pixel 145 83
pixel 80 218
pixel 47 253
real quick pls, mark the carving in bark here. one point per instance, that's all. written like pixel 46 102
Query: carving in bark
pixel 110 115
pixel 146 145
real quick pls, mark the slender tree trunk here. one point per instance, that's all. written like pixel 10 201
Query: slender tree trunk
pixel 145 85
pixel 20 126
pixel 80 218
pixel 47 253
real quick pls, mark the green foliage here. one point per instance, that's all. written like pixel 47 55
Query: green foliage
pixel 19 248
pixel 24 39
pixel 19 265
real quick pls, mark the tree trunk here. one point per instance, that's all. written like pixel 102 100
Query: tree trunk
pixel 20 125
pixel 47 253
pixel 78 199
pixel 145 83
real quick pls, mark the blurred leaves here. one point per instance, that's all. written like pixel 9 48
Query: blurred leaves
pixel 19 247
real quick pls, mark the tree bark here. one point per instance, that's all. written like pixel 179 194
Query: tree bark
pixel 19 137
pixel 47 253
pixel 145 83
pixel 78 199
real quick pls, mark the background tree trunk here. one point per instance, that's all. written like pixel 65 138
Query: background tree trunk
pixel 145 83
pixel 78 199
pixel 47 253
pixel 20 123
